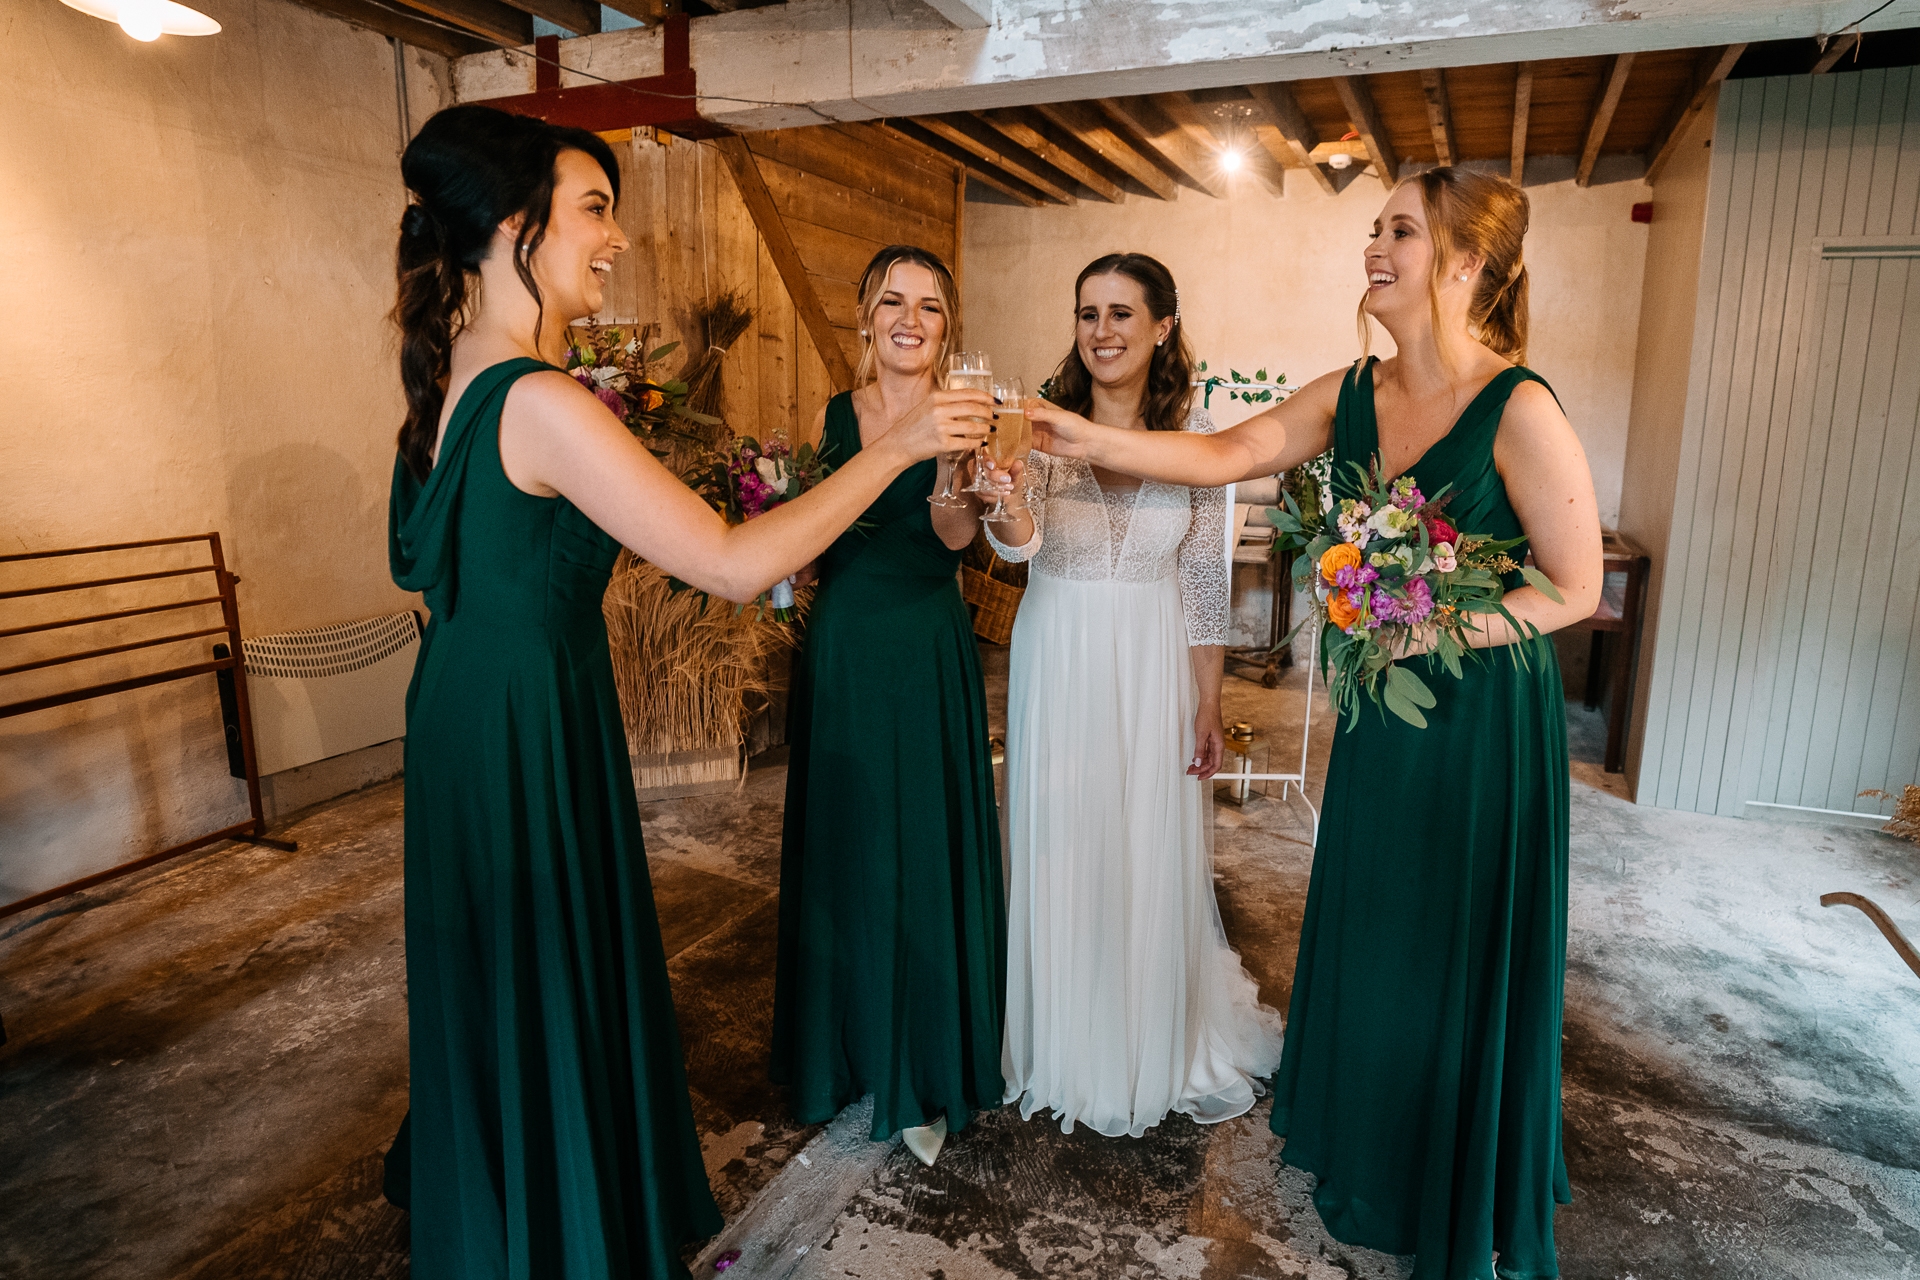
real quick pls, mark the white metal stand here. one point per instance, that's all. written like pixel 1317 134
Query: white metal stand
pixel 1297 780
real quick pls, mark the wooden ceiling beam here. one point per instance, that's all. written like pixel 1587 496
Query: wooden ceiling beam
pixel 1186 160
pixel 1602 118
pixel 581 17
pixel 1433 85
pixel 1709 70
pixel 1522 108
pixel 1023 167
pixel 408 30
pixel 1837 48
pixel 1021 133
pixel 1365 118
pixel 941 149
pixel 645 12
pixel 1274 106
pixel 1092 131
pixel 488 18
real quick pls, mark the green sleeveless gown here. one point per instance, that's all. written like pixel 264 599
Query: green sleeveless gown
pixel 892 964
pixel 551 1135
pixel 1421 1074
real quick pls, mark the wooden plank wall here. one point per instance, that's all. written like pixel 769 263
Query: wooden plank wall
pixel 844 191
pixel 1787 659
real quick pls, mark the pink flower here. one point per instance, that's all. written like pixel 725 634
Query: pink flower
pixel 611 398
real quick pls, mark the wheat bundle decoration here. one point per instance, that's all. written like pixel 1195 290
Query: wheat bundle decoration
pixel 689 667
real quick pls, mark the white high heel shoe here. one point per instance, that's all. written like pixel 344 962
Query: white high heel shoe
pixel 926 1140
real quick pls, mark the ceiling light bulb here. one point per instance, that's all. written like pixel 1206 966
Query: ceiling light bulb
pixel 1230 161
pixel 140 20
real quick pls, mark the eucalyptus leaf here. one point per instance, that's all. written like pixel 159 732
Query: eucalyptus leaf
pixel 658 352
pixel 1411 686
pixel 1541 583
pixel 1397 703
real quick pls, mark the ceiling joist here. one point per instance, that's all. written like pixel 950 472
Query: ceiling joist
pixel 1522 113
pixel 581 17
pixel 1144 125
pixel 488 18
pixel 1602 117
pixel 1024 133
pixel 1358 100
pixel 1275 107
pixel 1094 132
pixel 958 133
pixel 1433 86
pixel 1708 71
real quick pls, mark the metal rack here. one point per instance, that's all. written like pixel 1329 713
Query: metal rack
pixel 225 665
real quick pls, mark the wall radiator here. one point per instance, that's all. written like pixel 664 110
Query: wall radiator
pixel 331 690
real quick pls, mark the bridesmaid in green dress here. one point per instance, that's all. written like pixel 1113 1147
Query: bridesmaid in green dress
pixel 892 953
pixel 551 1134
pixel 1420 1078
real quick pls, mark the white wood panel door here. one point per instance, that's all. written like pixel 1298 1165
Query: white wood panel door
pixel 1787 660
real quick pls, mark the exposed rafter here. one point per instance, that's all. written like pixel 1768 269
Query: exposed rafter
pixel 976 168
pixel 1522 109
pixel 1023 133
pixel 1366 122
pixel 1433 84
pixel 1710 70
pixel 1837 48
pixel 578 16
pixel 1274 106
pixel 960 135
pixel 1602 117
pixel 489 18
pixel 1186 160
pixel 1099 136
pixel 392 22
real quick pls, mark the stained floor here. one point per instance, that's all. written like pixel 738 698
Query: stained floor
pixel 207 1059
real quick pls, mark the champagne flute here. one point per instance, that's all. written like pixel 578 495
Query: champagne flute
pixel 1007 393
pixel 1011 441
pixel 966 371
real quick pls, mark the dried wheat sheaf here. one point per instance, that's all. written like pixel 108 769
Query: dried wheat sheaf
pixel 687 665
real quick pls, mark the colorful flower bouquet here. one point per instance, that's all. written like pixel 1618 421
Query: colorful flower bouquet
pixel 621 373
pixel 1385 567
pixel 747 479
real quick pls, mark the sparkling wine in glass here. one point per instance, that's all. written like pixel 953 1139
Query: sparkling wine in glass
pixel 966 371
pixel 1011 440
pixel 1007 393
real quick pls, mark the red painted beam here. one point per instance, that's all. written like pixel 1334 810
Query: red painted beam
pixel 667 101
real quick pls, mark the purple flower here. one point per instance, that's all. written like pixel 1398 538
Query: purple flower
pixel 1354 577
pixel 584 377
pixel 1419 601
pixel 611 398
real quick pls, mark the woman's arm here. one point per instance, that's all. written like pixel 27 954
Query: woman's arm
pixel 1017 536
pixel 1297 429
pixel 556 439
pixel 1209 742
pixel 1545 470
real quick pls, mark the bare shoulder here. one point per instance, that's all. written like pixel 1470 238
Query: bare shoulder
pixel 818 431
pixel 1533 418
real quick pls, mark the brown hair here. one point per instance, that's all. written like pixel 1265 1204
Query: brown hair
pixel 1476 213
pixel 873 283
pixel 1170 371
pixel 470 168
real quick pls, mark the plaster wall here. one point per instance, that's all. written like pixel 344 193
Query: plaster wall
pixel 195 262
pixel 1273 283
pixel 1662 363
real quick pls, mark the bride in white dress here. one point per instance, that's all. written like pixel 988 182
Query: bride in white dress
pixel 1124 1000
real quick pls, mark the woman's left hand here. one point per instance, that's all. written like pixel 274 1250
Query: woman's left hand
pixel 1209 743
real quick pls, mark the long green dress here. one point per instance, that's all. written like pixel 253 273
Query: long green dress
pixel 1421 1073
pixel 551 1134
pixel 893 945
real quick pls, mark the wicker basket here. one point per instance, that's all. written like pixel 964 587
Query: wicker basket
pixel 994 603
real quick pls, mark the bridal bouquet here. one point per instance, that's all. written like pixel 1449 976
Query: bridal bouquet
pixel 624 375
pixel 1384 566
pixel 747 479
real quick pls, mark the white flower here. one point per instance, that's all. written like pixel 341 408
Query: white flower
pixel 769 469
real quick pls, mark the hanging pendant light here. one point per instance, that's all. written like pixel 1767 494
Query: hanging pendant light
pixel 147 20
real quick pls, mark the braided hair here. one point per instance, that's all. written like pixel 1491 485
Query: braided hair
pixel 469 169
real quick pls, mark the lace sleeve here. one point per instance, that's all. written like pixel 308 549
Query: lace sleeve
pixel 1039 471
pixel 1203 556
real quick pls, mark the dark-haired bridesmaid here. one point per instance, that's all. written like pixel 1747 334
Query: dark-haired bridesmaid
pixel 892 920
pixel 551 1135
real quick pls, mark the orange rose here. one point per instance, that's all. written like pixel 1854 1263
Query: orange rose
pixel 1341 555
pixel 1341 611
pixel 651 399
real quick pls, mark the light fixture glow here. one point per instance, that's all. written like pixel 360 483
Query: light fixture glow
pixel 1230 160
pixel 147 20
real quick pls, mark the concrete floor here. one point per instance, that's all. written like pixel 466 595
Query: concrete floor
pixel 207 1059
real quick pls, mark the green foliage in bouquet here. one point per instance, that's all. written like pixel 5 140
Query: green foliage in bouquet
pixel 1389 570
pixel 625 375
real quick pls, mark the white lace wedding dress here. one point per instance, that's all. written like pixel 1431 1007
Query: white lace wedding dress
pixel 1124 1000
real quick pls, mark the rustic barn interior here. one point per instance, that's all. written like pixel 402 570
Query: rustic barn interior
pixel 202 1007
